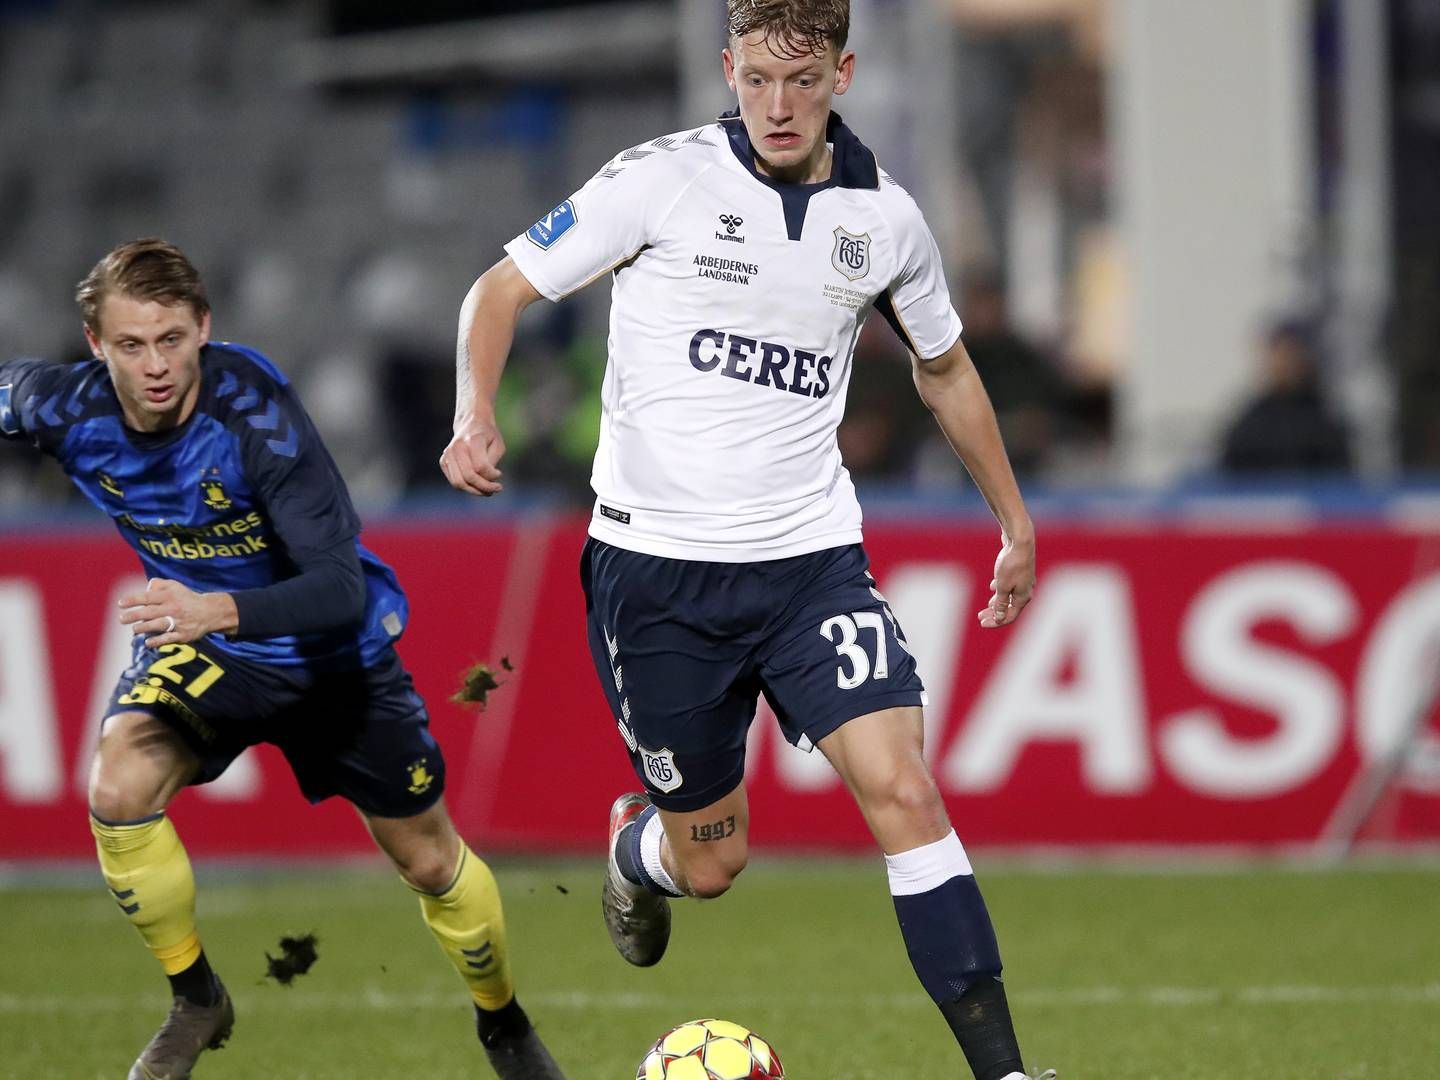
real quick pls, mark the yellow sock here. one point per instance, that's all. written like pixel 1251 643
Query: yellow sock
pixel 467 921
pixel 149 875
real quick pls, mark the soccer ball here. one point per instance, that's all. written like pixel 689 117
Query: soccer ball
pixel 710 1050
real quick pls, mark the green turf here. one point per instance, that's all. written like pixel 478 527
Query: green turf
pixel 1255 973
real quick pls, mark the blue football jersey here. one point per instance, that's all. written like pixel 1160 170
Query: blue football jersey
pixel 217 503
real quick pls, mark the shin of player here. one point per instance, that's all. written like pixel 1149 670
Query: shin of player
pixel 138 768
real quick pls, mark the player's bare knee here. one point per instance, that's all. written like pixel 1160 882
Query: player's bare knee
pixel 428 870
pixel 910 793
pixel 709 883
pixel 917 793
pixel 141 757
pixel 422 857
pixel 127 784
pixel 920 802
pixel 425 848
pixel 713 877
pixel 115 801
pixel 132 787
pixel 108 802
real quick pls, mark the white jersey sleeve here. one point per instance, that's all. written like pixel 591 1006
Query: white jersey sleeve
pixel 919 298
pixel 604 224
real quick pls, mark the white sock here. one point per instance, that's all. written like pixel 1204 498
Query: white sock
pixel 924 868
pixel 650 855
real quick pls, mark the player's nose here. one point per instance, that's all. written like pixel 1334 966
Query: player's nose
pixel 779 111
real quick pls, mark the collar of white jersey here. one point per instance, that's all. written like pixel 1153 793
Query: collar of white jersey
pixel 853 164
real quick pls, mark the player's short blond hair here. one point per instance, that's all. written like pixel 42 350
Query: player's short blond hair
pixel 149 269
pixel 793 28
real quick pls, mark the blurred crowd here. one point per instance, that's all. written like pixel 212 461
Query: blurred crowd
pixel 373 213
pixel 1050 414
pixel 388 416
pixel 1286 429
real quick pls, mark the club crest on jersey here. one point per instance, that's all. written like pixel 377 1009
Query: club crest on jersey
pixel 852 254
pixel 546 232
pixel 660 769
pixel 215 497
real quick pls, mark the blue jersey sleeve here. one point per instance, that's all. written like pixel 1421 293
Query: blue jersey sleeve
pixel 297 480
pixel 327 594
pixel 39 400
pixel 309 507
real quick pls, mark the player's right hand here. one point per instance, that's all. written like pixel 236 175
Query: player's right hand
pixel 472 460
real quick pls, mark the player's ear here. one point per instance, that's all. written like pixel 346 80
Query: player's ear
pixel 94 342
pixel 205 329
pixel 845 72
pixel 727 58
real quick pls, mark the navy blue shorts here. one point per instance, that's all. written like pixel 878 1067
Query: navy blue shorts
pixel 684 650
pixel 361 733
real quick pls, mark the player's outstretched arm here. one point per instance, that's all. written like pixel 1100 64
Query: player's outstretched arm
pixel 326 594
pixel 951 388
pixel 487 329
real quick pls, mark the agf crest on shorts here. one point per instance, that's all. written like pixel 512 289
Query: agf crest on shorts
pixel 660 769
pixel 852 254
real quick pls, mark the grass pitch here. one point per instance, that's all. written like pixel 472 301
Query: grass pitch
pixel 1113 975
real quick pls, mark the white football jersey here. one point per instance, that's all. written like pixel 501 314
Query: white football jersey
pixel 736 306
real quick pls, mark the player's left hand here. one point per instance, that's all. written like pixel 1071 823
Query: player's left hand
pixel 1013 584
pixel 169 613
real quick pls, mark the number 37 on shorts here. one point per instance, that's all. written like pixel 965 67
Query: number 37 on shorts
pixel 860 641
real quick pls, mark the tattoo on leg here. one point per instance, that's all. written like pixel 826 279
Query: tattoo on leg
pixel 715 830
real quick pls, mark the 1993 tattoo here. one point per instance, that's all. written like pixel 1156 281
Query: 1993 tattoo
pixel 717 830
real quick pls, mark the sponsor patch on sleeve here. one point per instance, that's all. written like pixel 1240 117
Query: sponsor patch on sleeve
pixel 9 423
pixel 549 229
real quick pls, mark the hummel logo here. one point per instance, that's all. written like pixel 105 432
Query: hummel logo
pixel 732 222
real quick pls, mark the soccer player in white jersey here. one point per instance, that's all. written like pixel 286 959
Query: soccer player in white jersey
pixel 725 558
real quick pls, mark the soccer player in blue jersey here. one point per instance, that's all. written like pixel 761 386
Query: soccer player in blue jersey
pixel 725 556
pixel 265 620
